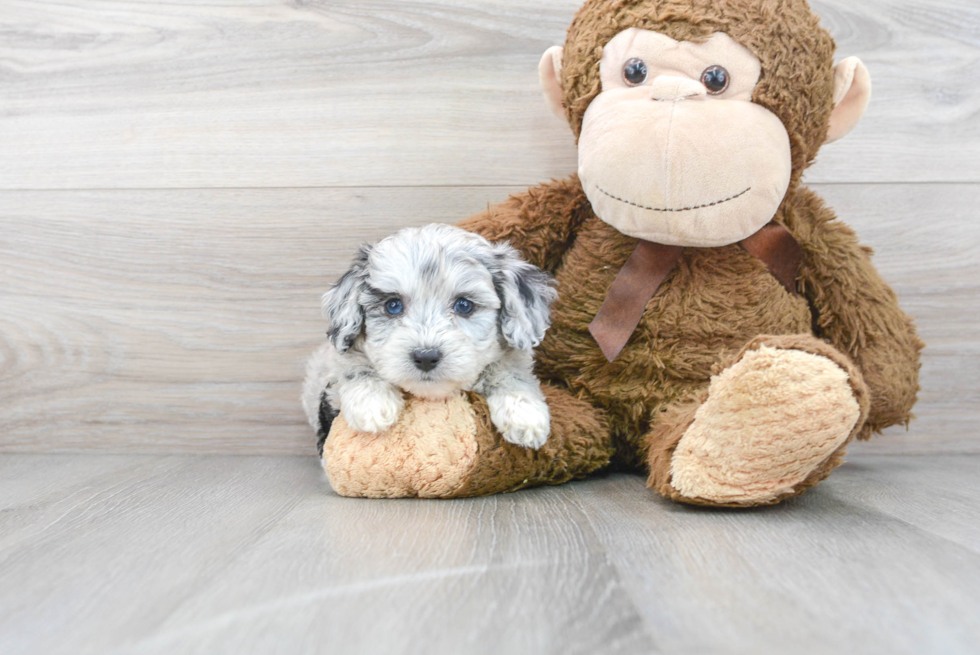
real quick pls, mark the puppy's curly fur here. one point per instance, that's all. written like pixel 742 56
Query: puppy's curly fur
pixel 432 311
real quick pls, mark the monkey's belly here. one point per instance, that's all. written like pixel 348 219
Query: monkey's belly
pixel 713 302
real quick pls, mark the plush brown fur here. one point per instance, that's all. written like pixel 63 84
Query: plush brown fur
pixel 580 444
pixel 718 303
pixel 712 305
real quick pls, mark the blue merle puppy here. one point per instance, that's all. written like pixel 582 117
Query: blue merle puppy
pixel 432 311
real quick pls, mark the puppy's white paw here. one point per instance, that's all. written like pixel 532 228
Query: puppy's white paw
pixel 522 420
pixel 371 410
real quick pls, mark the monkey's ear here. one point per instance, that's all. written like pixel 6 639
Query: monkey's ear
pixel 549 73
pixel 852 93
pixel 342 306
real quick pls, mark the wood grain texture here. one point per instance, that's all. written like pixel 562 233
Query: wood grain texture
pixel 170 554
pixel 235 554
pixel 156 320
pixel 927 246
pixel 160 321
pixel 256 93
pixel 832 571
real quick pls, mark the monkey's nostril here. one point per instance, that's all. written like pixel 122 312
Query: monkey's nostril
pixel 426 359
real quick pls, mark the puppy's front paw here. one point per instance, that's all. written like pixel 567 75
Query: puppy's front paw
pixel 521 420
pixel 371 410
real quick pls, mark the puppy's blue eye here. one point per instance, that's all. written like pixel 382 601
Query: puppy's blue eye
pixel 394 307
pixel 463 307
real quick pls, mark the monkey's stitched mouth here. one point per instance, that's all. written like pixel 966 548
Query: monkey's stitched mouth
pixel 668 209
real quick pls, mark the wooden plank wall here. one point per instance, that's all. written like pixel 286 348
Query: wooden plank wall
pixel 179 182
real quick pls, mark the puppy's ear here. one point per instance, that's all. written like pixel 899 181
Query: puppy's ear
pixel 341 305
pixel 526 293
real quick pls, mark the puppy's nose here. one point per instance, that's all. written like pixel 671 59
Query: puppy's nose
pixel 426 359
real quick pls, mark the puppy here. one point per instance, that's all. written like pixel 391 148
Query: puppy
pixel 432 311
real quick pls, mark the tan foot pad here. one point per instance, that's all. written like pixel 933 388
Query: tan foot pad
pixel 428 453
pixel 770 419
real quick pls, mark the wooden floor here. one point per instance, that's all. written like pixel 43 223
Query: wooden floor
pixel 222 554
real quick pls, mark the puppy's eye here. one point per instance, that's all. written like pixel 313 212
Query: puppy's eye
pixel 463 307
pixel 635 72
pixel 715 79
pixel 394 307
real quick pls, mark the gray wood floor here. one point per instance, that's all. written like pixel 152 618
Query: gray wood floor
pixel 224 554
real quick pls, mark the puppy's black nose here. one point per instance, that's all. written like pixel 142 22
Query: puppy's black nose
pixel 426 359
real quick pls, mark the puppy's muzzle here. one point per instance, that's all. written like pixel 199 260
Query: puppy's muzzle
pixel 426 359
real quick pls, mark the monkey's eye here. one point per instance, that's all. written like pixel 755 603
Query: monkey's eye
pixel 394 307
pixel 715 79
pixel 463 307
pixel 635 72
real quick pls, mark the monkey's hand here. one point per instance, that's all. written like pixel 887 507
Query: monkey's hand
pixel 522 419
pixel 369 404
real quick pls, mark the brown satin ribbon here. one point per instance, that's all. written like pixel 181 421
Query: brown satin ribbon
pixel 651 263
pixel 629 294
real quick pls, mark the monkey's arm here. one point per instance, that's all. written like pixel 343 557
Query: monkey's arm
pixel 538 222
pixel 857 311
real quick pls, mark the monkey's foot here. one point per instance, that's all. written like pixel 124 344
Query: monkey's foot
pixel 772 424
pixel 449 448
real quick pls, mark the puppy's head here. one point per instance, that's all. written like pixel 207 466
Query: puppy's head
pixel 431 307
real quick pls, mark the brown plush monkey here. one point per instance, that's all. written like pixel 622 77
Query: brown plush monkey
pixel 717 327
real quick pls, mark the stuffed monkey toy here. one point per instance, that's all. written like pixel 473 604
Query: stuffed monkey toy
pixel 717 327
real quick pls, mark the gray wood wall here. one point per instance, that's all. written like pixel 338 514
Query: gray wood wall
pixel 179 182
